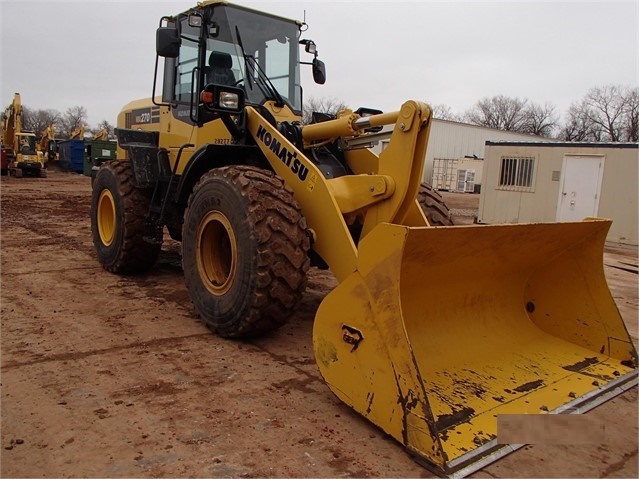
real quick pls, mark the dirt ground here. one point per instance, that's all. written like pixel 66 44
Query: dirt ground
pixel 111 376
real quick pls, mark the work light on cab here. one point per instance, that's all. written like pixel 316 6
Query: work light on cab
pixel 222 99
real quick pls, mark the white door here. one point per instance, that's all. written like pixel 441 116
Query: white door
pixel 580 186
pixel 470 181
pixel 461 181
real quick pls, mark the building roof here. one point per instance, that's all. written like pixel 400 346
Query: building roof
pixel 565 144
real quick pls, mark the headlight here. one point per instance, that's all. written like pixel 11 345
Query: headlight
pixel 222 99
pixel 229 100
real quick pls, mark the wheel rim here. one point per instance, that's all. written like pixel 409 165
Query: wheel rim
pixel 216 253
pixel 106 217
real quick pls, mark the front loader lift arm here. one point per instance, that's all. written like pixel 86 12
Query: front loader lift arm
pixel 384 190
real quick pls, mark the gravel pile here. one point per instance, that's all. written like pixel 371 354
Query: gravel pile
pixel 463 212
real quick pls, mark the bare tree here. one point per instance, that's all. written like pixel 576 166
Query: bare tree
pixel 499 112
pixel 606 113
pixel 513 114
pixel 605 107
pixel 444 112
pixel 631 122
pixel 540 120
pixel 327 105
pixel 576 126
pixel 39 120
pixel 74 117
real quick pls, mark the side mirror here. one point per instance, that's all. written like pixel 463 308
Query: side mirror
pixel 167 42
pixel 319 71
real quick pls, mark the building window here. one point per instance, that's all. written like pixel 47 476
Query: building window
pixel 516 174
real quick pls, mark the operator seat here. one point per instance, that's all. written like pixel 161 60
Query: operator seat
pixel 220 69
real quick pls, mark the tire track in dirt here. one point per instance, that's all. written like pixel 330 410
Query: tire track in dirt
pixel 172 341
pixel 619 465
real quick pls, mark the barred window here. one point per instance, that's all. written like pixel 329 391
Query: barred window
pixel 516 173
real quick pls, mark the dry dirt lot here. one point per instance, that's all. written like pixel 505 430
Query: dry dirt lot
pixel 110 376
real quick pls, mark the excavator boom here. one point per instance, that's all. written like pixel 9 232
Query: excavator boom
pixel 77 133
pixel 101 135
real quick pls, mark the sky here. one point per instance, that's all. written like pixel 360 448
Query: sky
pixel 378 54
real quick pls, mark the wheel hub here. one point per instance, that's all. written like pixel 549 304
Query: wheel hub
pixel 106 217
pixel 216 253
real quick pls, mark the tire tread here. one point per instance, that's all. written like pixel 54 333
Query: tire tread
pixel 281 256
pixel 135 255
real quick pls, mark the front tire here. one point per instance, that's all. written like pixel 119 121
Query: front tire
pixel 244 251
pixel 118 211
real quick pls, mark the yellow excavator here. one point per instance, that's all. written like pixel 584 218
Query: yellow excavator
pixel 101 135
pixel 47 146
pixel 20 145
pixel 77 133
pixel 433 357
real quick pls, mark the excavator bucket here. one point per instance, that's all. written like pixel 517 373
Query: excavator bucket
pixel 443 329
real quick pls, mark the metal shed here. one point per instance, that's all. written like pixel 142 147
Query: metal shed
pixel 452 140
pixel 527 182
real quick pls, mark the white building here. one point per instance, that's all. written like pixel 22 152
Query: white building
pixel 451 140
pixel 546 182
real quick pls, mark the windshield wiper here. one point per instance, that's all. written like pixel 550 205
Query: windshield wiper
pixel 262 81
pixel 244 57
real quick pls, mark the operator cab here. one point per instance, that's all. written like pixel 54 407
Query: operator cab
pixel 27 143
pixel 245 54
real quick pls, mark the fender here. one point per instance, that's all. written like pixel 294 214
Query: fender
pixel 211 156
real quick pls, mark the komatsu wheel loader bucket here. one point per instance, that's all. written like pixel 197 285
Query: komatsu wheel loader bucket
pixel 440 330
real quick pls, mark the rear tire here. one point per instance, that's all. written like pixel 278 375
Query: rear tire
pixel 118 211
pixel 434 206
pixel 244 251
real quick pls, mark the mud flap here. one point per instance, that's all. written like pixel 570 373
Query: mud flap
pixel 443 329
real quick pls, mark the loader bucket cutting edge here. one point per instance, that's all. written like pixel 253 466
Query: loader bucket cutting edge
pixel 440 330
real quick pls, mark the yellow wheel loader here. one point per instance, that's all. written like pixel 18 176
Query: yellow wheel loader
pixel 221 160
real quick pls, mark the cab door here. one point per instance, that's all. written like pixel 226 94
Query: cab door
pixel 182 78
